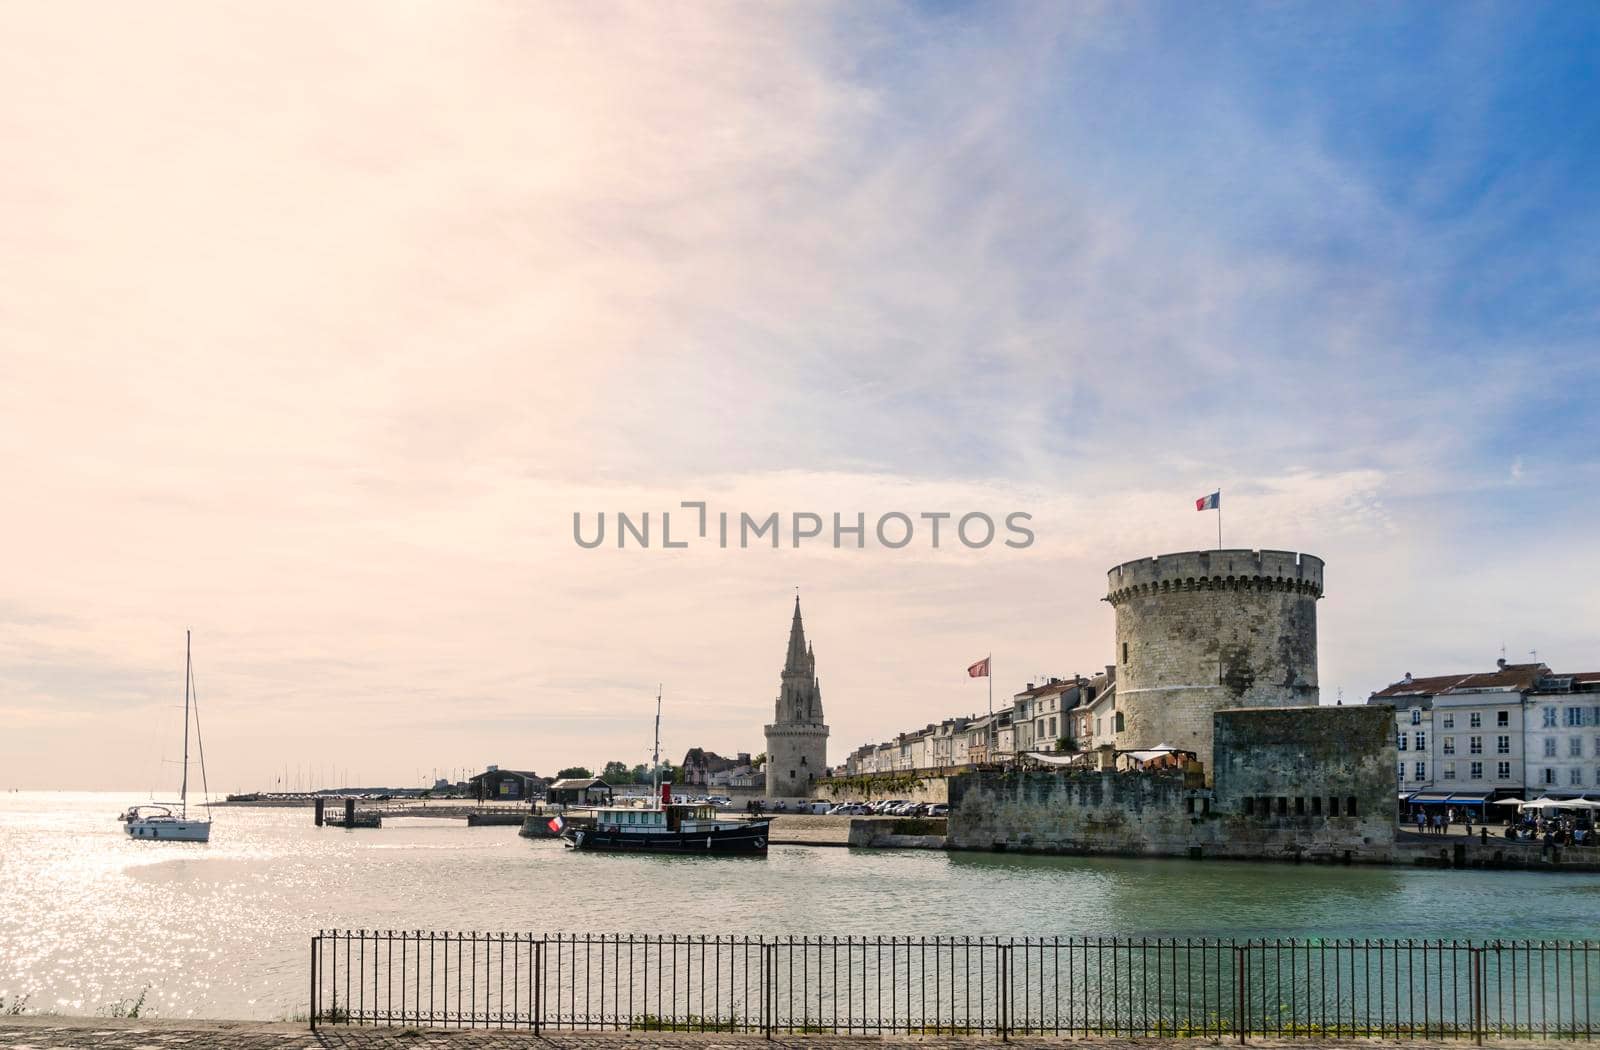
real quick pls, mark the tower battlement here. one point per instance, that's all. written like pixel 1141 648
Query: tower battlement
pixel 1200 631
pixel 1216 570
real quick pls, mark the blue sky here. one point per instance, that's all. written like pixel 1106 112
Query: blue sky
pixel 319 325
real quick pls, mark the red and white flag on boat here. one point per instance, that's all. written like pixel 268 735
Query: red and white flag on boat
pixel 555 824
pixel 979 669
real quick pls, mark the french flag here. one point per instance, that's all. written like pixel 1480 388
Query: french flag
pixel 1211 502
pixel 555 824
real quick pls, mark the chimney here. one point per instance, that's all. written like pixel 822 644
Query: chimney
pixel 1501 663
pixel 1407 679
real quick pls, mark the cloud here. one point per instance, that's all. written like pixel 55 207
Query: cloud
pixel 317 325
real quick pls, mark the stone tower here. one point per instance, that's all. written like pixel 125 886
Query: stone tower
pixel 1206 630
pixel 797 739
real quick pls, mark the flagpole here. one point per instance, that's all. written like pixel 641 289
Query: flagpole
pixel 1219 519
pixel 990 661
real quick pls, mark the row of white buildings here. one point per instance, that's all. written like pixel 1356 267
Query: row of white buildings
pixel 1060 715
pixel 1520 730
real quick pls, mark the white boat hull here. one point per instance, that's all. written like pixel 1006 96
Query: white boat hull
pixel 170 830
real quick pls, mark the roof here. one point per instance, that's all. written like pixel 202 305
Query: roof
pixel 1055 685
pixel 1511 678
pixel 713 762
pixel 530 774
pixel 580 782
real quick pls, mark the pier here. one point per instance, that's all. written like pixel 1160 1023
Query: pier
pixel 334 811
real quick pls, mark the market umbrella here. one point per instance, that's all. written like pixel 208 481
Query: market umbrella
pixel 1507 802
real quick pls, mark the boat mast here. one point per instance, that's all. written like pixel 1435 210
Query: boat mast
pixel 183 793
pixel 655 756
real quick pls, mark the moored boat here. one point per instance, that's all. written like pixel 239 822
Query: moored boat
pixel 664 826
pixel 157 821
pixel 669 827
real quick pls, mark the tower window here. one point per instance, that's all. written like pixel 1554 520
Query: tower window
pixel 1124 652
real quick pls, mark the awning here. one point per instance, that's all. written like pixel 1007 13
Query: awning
pixel 1460 798
pixel 1058 760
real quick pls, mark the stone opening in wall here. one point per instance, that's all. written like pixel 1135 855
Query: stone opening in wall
pixel 1124 654
pixel 1249 807
pixel 1350 806
pixel 1121 724
pixel 1205 807
pixel 1283 806
pixel 1266 808
pixel 1299 806
pixel 1333 806
pixel 1188 804
pixel 1316 806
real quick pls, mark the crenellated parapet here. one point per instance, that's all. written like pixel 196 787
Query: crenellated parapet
pixel 1230 570
pixel 1201 631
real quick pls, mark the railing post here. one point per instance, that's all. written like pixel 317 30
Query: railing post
pixel 769 987
pixel 1004 989
pixel 1475 982
pixel 1241 1023
pixel 312 999
pixel 538 985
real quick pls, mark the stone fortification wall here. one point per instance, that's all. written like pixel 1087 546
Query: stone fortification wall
pixel 1285 784
pixel 1201 631
pixel 870 787
pixel 1298 768
pixel 1126 813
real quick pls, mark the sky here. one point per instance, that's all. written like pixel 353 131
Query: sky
pixel 319 323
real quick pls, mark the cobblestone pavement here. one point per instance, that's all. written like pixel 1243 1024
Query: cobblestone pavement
pixel 60 1033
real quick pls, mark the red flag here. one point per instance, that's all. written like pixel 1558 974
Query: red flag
pixel 979 669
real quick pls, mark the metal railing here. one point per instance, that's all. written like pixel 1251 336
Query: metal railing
pixel 995 986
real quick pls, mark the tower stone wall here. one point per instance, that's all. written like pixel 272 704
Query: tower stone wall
pixel 1203 631
pixel 797 739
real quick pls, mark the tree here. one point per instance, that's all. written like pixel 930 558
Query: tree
pixel 616 773
pixel 641 774
pixel 759 761
pixel 574 773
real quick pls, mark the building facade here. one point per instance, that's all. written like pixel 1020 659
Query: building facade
pixel 797 739
pixel 1520 729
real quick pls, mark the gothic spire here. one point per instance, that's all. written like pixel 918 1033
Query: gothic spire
pixel 797 642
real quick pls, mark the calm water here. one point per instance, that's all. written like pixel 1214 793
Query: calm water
pixel 89 917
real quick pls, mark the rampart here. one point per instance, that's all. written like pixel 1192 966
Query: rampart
pixel 1295 784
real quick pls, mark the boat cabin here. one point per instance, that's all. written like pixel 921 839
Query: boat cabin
pixel 670 818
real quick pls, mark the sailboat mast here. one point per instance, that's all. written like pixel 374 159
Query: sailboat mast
pixel 183 793
pixel 655 756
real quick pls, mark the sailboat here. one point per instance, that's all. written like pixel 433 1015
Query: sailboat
pixel 158 820
pixel 665 826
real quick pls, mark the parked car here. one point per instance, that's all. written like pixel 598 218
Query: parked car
pixel 939 809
